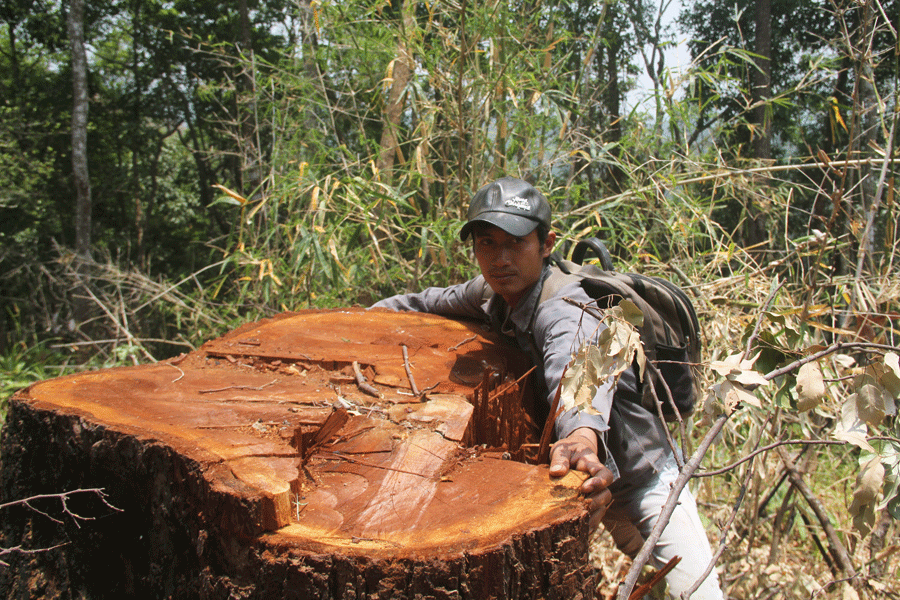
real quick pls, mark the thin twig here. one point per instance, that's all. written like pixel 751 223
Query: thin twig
pixel 180 377
pixel 868 232
pixel 773 290
pixel 20 550
pixel 723 538
pixel 839 551
pixel 750 456
pixel 679 455
pixel 462 343
pixel 361 382
pixel 63 498
pixel 412 381
pixel 543 456
pixel 645 588
pixel 119 325
pixel 238 387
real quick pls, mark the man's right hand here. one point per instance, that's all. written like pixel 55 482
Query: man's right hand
pixel 579 451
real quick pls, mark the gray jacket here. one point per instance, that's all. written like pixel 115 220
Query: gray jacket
pixel 632 439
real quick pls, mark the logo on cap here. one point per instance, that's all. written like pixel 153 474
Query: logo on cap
pixel 518 202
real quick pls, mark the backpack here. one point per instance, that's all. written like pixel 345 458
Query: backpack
pixel 670 333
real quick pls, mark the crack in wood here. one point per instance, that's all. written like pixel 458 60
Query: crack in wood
pixel 341 456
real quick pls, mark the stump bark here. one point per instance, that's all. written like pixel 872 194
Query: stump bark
pixel 262 466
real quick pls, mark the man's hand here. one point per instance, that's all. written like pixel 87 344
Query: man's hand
pixel 579 451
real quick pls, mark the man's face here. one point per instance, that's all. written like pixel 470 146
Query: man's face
pixel 510 265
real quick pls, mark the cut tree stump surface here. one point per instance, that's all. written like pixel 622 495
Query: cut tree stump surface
pixel 304 478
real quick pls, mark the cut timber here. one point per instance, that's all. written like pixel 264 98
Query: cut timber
pixel 255 467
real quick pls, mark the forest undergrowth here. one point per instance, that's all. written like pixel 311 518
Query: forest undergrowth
pixel 772 537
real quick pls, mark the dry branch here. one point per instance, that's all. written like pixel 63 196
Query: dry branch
pixel 63 498
pixel 839 551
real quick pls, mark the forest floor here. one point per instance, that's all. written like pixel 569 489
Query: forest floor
pixel 797 572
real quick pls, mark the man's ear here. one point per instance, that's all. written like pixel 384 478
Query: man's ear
pixel 549 243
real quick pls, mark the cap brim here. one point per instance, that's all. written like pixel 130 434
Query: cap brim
pixel 512 224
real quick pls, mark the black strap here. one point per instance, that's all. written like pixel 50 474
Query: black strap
pixel 599 249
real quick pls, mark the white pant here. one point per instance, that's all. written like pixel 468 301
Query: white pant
pixel 631 517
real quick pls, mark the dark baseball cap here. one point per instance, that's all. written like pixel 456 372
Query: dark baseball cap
pixel 511 204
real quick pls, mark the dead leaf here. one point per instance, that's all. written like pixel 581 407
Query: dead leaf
pixel 732 394
pixel 631 313
pixel 869 404
pixel 597 364
pixel 886 375
pixel 851 428
pixel 749 378
pixel 868 485
pixel 810 386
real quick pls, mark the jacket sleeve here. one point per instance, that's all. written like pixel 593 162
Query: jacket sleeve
pixel 561 329
pixel 467 299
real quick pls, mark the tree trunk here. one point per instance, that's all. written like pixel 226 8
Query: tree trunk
pixel 756 229
pixel 79 130
pixel 401 72
pixel 762 81
pixel 259 466
pixel 75 22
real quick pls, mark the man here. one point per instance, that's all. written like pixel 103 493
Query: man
pixel 623 449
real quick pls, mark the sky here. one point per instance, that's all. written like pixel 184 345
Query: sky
pixel 677 55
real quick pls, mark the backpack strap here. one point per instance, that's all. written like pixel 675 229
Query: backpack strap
pixel 561 275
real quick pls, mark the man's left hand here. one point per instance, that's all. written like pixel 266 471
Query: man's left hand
pixel 579 451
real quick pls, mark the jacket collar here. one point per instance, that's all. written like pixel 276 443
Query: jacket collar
pixel 522 316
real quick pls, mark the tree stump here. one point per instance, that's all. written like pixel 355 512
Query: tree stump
pixel 262 466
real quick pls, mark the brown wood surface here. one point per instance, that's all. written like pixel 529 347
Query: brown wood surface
pixel 283 477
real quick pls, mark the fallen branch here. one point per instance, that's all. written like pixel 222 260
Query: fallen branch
pixel 686 472
pixel 669 507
